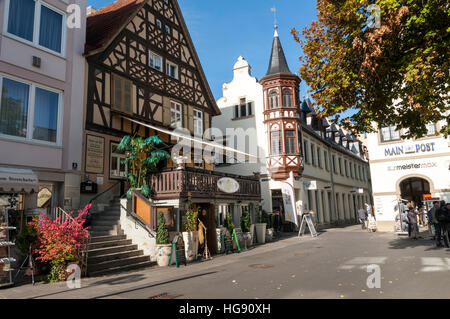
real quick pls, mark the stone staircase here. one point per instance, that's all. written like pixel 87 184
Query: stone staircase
pixel 109 250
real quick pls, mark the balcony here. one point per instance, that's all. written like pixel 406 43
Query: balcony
pixel 198 183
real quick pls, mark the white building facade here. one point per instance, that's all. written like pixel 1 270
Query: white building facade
pixel 407 170
pixel 332 178
pixel 41 108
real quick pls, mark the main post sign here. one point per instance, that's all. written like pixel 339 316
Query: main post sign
pixel 409 149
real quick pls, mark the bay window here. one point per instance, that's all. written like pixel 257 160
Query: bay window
pixel 273 99
pixel 29 111
pixel 275 138
pixel 289 141
pixel 287 98
pixel 38 23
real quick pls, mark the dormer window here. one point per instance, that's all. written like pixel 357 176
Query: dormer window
pixel 287 98
pixel 273 99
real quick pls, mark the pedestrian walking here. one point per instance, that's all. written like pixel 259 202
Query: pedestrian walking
pixel 422 216
pixel 362 217
pixel 413 229
pixel 443 217
pixel 434 223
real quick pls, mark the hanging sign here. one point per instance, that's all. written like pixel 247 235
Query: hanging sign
pixel 288 201
pixel 228 185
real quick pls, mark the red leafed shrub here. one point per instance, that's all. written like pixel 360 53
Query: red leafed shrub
pixel 58 242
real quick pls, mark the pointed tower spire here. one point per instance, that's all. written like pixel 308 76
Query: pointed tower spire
pixel 277 63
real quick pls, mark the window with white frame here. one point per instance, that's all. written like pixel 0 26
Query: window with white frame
pixel 158 24
pixel 155 61
pixel 118 166
pixel 390 134
pixel 36 22
pixel 172 70
pixel 167 29
pixel 177 114
pixel 198 123
pixel 29 111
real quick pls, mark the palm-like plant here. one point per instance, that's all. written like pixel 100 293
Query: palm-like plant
pixel 142 159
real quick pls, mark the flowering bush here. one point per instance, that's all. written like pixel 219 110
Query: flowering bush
pixel 58 242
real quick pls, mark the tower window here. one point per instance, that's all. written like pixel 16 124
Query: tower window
pixel 275 139
pixel 273 99
pixel 289 140
pixel 287 98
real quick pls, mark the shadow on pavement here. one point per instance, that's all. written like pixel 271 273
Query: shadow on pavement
pixel 424 240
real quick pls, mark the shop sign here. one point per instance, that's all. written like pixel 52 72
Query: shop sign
pixel 228 185
pixel 409 149
pixel 95 152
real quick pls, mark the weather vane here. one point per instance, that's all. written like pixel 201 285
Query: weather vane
pixel 274 10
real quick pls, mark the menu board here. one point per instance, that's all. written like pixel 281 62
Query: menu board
pixel 95 153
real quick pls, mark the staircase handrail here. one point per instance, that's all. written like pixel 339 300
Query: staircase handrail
pixel 138 219
pixel 58 212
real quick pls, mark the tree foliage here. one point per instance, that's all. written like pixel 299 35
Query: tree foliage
pixel 162 236
pixel 397 74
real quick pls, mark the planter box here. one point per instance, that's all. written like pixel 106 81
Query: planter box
pixel 163 255
pixel 261 233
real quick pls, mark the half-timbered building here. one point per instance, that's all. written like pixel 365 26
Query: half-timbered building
pixel 144 78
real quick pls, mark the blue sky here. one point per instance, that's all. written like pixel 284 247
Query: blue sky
pixel 224 30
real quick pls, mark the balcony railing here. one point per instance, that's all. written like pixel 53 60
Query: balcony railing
pixel 174 183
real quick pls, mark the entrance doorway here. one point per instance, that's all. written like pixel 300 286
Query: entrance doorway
pixel 413 189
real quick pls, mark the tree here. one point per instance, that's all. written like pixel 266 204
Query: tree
pixel 394 74
pixel 142 158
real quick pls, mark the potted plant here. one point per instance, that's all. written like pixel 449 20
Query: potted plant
pixel 245 226
pixel 59 242
pixel 163 246
pixel 260 228
pixel 190 235
pixel 229 225
pixel 142 159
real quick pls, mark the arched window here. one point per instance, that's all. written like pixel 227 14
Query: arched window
pixel 287 98
pixel 273 99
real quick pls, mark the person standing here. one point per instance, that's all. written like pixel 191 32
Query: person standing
pixel 412 222
pixel 422 216
pixel 434 223
pixel 363 217
pixel 443 218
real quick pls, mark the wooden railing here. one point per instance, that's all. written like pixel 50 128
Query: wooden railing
pixel 171 183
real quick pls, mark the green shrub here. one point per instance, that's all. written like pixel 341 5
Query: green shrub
pixel 264 217
pixel 229 223
pixel 162 236
pixel 246 222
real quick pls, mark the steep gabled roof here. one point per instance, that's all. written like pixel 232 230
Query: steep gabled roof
pixel 277 63
pixel 103 26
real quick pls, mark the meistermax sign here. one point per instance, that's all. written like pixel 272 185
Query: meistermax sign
pixel 408 149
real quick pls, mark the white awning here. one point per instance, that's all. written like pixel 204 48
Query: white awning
pixel 13 180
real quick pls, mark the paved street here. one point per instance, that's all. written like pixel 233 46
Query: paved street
pixel 333 265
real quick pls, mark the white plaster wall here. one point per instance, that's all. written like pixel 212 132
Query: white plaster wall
pixel 137 233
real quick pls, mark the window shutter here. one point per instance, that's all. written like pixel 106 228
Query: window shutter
pixel 206 124
pixel 166 112
pixel 190 119
pixel 249 110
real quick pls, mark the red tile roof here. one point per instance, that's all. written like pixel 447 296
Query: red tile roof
pixel 104 23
